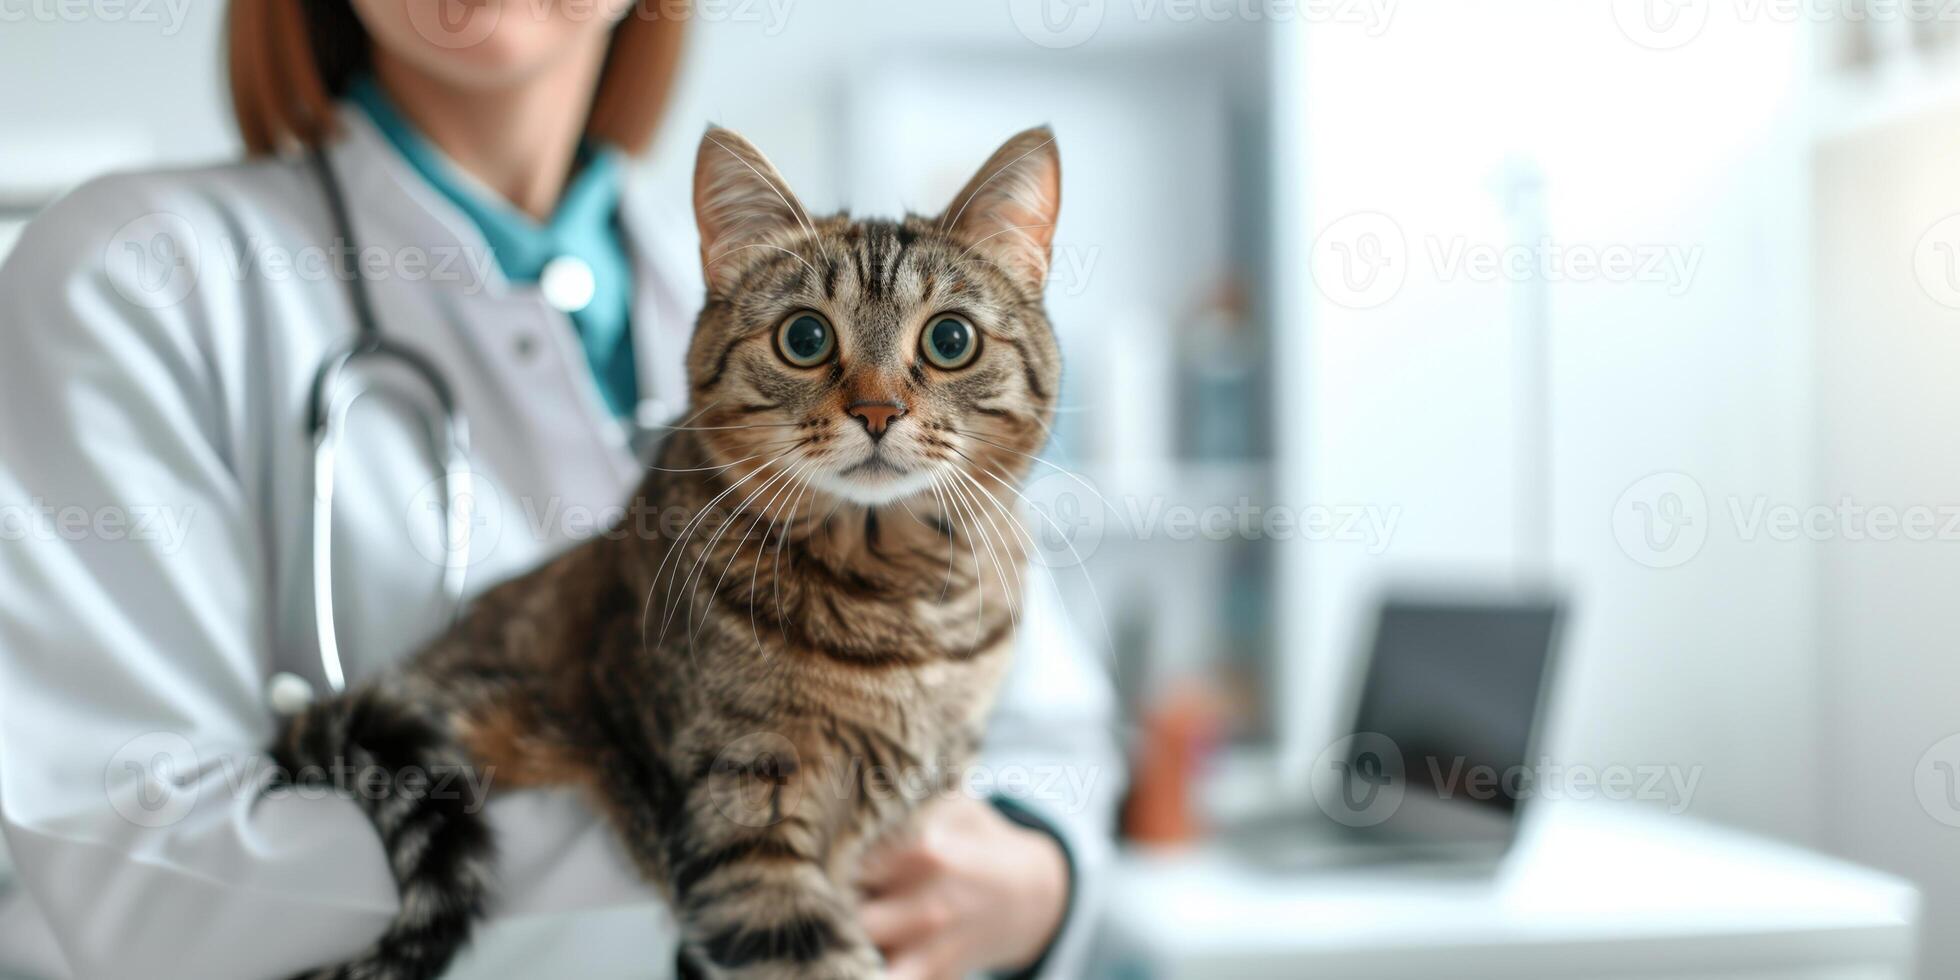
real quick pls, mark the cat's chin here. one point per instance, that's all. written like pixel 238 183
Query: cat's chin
pixel 874 488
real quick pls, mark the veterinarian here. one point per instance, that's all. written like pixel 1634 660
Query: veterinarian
pixel 163 333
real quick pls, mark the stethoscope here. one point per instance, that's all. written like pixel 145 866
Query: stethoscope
pixel 336 387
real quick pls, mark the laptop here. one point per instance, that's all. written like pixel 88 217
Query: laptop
pixel 1435 763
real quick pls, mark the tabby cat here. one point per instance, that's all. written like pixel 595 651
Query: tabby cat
pixel 837 606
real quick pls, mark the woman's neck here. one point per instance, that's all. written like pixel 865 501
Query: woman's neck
pixel 520 142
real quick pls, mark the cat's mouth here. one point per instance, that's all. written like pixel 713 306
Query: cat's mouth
pixel 876 481
pixel 874 465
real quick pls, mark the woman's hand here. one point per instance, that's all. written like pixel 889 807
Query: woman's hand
pixel 971 891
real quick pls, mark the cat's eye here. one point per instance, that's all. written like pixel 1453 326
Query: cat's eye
pixel 805 339
pixel 950 342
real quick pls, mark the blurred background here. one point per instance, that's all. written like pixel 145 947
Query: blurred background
pixel 1652 305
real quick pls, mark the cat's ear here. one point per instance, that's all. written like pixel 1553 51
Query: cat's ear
pixel 1007 211
pixel 739 201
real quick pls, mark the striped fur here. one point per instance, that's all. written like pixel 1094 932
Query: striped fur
pixel 757 692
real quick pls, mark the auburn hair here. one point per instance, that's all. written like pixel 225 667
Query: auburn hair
pixel 290 59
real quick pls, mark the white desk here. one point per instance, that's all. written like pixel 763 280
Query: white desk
pixel 1589 891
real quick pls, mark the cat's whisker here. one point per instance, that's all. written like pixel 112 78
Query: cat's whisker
pixel 794 207
pixel 1000 509
pixel 986 540
pixel 787 518
pixel 776 571
pixel 681 540
pixel 688 581
pixel 1071 474
pixel 1003 231
pixel 1011 488
pixel 767 448
pixel 739 248
pixel 979 592
pixel 954 221
pixel 795 210
pixel 781 477
pixel 727 428
pixel 691 416
pixel 1003 509
pixel 950 553
pixel 1081 563
pixel 790 474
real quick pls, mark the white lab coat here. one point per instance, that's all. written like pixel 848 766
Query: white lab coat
pixel 158 337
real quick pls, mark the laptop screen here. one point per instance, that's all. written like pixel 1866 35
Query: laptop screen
pixel 1455 686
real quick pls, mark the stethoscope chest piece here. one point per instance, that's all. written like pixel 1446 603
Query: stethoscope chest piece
pixel 288 694
pixel 568 284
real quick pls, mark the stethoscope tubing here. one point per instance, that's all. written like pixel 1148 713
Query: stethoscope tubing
pixel 336 387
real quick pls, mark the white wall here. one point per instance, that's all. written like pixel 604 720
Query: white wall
pixel 1889 415
pixel 110 91
pixel 1416 403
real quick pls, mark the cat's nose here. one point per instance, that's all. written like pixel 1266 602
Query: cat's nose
pixel 876 416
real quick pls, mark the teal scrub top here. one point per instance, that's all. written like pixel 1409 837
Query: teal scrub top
pixel 585 227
